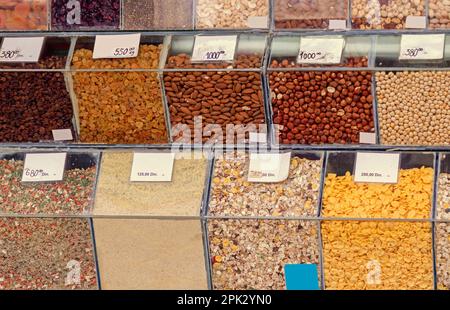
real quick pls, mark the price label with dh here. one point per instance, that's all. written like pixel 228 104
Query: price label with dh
pixel 45 167
pixel 117 46
pixel 320 50
pixel 214 48
pixel 376 167
pixel 21 49
pixel 422 47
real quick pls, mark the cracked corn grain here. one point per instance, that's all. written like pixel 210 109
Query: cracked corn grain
pixel 409 198
pixel 120 107
pixel 72 196
pixel 377 255
pixel 180 197
pixel 45 254
pixel 251 254
pixel 443 255
pixel 231 194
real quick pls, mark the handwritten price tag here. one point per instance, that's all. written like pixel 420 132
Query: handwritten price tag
pixel 214 48
pixel 376 168
pixel 45 167
pixel 117 46
pixel 152 167
pixel 320 50
pixel 422 47
pixel 21 49
pixel 269 167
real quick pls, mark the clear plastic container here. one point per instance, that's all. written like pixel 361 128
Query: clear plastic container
pixel 23 15
pixel 226 14
pixel 73 196
pixel 34 98
pixel 410 198
pixel 180 197
pixel 219 102
pixel 119 101
pixel 158 14
pixel 310 14
pixel 321 104
pixel 443 188
pixel 387 14
pixel 85 14
pixel 412 96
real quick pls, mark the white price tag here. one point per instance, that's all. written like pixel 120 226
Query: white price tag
pixel 45 167
pixel 152 167
pixel 367 138
pixel 376 168
pixel 416 22
pixel 258 22
pixel 21 49
pixel 320 50
pixel 117 46
pixel 422 47
pixel 258 137
pixel 62 135
pixel 269 168
pixel 214 48
pixel 337 24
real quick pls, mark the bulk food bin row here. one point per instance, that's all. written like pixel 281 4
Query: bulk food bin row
pixel 162 96
pixel 210 226
pixel 70 15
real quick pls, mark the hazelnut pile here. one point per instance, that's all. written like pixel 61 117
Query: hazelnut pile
pixel 439 13
pixel 321 107
pixel 413 107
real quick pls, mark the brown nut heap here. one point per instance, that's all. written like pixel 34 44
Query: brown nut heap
pixel 385 14
pixel 439 13
pixel 120 107
pixel 413 107
pixel 321 107
pixel 308 14
pixel 220 98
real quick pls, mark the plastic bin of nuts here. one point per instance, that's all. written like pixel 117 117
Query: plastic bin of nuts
pixel 227 14
pixel 412 96
pixel 359 253
pixel 215 102
pixel 328 101
pixel 171 228
pixel 388 14
pixel 319 14
pixel 119 101
pixel 255 229
pixel 23 15
pixel 34 98
pixel 85 15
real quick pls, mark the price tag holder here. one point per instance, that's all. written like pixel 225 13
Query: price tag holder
pixel 214 48
pixel 367 138
pixel 45 167
pixel 152 167
pixel 422 47
pixel 62 135
pixel 269 167
pixel 117 46
pixel 377 168
pixel 320 50
pixel 21 49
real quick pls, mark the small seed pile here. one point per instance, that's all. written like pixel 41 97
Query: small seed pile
pixel 308 14
pixel 23 15
pixel 443 208
pixel 414 107
pixel 157 14
pixel 220 98
pixel 232 194
pixel 120 107
pixel 443 255
pixel 386 14
pixel 320 107
pixel 46 254
pixel 229 13
pixel 439 13
pixel 72 196
pixel 251 254
pixel 409 198
pixel 377 255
